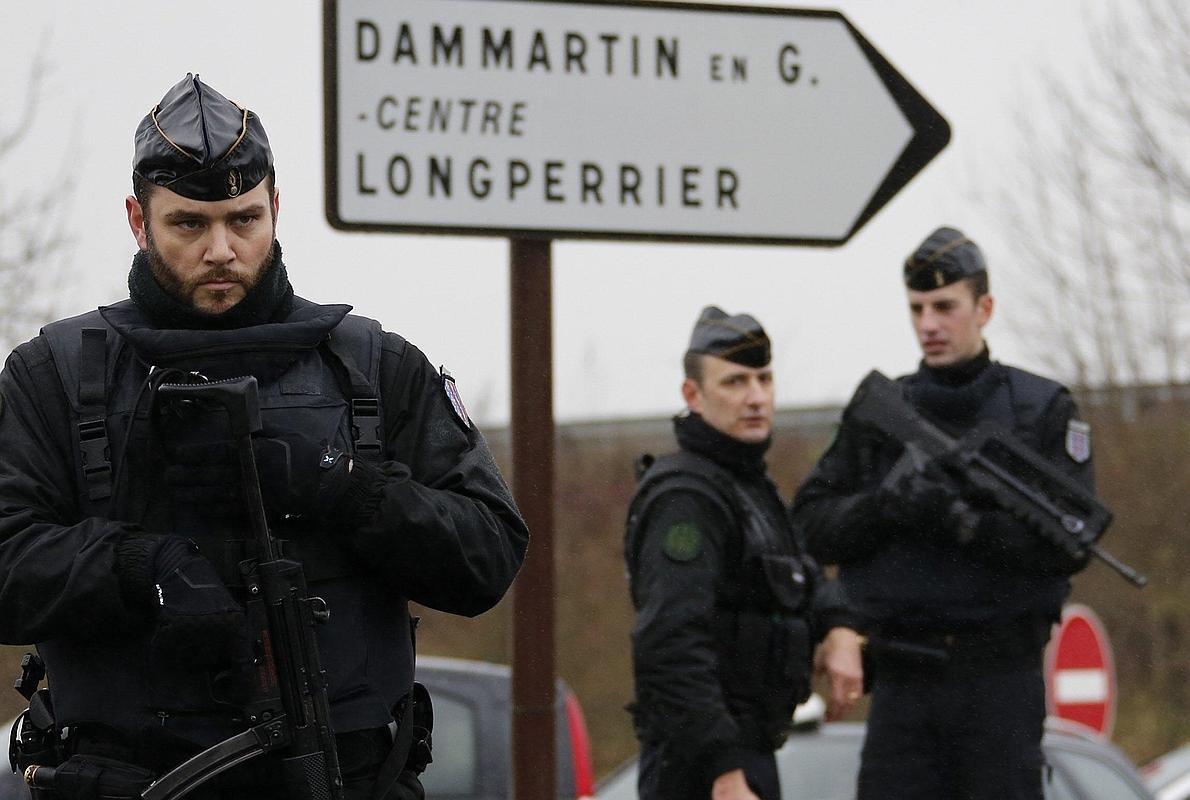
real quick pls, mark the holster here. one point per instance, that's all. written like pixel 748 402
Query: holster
pixel 33 740
pixel 412 748
pixel 34 736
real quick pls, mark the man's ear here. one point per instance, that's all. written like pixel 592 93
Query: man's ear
pixel 136 221
pixel 984 307
pixel 692 394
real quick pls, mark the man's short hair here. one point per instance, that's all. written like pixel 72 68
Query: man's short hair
pixel 978 283
pixel 692 365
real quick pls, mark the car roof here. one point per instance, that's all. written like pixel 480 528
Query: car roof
pixel 443 664
pixel 1165 770
pixel 1059 734
pixel 464 669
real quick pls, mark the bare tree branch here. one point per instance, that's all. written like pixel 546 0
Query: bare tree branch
pixel 34 231
pixel 1100 232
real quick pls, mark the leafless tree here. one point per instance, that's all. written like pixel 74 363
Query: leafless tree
pixel 1098 209
pixel 34 233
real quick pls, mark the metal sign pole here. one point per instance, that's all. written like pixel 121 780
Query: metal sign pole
pixel 532 434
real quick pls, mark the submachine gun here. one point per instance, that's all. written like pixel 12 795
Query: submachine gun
pixel 290 712
pixel 990 463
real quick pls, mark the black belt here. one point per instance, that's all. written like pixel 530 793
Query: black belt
pixel 1017 642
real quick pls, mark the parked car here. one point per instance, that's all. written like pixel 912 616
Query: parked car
pixel 822 760
pixel 472 735
pixel 1168 777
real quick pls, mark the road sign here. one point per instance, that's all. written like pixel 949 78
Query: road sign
pixel 1080 675
pixel 628 120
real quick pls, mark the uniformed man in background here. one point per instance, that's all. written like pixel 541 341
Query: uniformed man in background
pixel 122 521
pixel 729 606
pixel 957 614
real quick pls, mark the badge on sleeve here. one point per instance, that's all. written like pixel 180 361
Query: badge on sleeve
pixel 683 542
pixel 1078 440
pixel 452 394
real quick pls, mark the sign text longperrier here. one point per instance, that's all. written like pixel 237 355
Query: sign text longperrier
pixel 613 120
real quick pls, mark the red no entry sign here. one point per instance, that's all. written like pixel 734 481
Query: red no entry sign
pixel 1080 674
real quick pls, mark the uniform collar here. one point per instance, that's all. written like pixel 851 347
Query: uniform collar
pixel 262 350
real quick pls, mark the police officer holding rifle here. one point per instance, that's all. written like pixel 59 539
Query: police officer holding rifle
pixel 217 499
pixel 958 580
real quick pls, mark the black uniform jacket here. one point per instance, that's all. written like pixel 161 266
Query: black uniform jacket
pixel 719 657
pixel 923 579
pixel 434 523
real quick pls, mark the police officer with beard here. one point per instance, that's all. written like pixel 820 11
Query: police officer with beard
pixel 122 524
pixel 957 614
pixel 728 605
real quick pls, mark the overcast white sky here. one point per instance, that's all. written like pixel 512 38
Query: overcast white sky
pixel 622 311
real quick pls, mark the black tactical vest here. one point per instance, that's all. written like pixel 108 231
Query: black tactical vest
pixel 316 375
pixel 920 585
pixel 761 625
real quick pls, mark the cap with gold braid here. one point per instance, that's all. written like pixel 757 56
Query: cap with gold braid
pixel 944 257
pixel 201 145
pixel 739 338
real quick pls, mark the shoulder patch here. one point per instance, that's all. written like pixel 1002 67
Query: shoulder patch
pixel 452 394
pixel 1078 440
pixel 683 542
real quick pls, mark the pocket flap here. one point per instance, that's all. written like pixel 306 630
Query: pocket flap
pixel 787 580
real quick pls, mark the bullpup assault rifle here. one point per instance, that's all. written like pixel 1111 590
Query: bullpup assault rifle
pixel 990 463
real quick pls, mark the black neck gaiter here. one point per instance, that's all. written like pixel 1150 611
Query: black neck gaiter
pixel 962 373
pixel 270 300
pixel 955 394
pixel 696 435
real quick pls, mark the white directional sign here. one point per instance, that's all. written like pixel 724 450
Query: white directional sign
pixel 613 120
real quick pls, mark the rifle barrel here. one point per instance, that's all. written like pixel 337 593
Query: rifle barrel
pixel 1125 571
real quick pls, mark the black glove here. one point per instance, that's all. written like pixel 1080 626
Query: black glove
pixel 302 477
pixel 298 477
pixel 197 624
pixel 926 501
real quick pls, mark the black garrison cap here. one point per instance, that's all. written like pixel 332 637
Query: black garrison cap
pixel 944 257
pixel 201 145
pixel 739 338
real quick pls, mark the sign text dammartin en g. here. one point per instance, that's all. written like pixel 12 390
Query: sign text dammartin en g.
pixel 656 121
